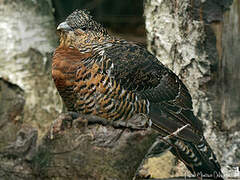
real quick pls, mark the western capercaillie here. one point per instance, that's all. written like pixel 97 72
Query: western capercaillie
pixel 98 74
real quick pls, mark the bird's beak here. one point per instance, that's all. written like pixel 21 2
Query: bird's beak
pixel 64 26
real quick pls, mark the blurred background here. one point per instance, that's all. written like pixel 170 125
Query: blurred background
pixel 123 18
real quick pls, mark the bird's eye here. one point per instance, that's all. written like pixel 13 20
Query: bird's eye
pixel 84 28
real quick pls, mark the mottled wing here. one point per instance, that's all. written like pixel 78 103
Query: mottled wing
pixel 136 70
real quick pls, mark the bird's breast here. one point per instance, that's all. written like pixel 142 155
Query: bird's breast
pixel 87 89
pixel 66 63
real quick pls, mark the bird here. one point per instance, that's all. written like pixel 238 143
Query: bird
pixel 98 74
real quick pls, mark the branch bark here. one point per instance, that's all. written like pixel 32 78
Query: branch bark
pixel 76 152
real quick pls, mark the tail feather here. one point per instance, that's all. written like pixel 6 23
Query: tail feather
pixel 199 159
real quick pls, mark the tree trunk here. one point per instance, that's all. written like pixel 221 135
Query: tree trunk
pixel 27 39
pixel 199 41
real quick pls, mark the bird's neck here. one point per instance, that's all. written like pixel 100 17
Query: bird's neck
pixel 87 42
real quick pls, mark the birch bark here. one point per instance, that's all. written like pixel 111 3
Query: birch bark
pixel 27 39
pixel 199 41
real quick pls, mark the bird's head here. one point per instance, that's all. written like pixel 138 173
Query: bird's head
pixel 80 29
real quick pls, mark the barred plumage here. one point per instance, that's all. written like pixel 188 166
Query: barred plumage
pixel 98 74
